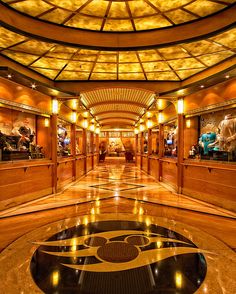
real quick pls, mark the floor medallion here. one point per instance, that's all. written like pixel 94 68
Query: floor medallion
pixel 115 254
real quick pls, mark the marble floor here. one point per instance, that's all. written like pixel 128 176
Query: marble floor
pixel 117 231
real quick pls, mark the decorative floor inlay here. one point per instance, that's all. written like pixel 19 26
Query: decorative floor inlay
pixel 115 178
pixel 117 186
pixel 117 254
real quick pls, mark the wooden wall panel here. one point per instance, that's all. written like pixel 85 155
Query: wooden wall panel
pixel 213 185
pixel 89 162
pixel 80 167
pixel 145 163
pixel 24 183
pixel 20 94
pixel 169 173
pixel 96 159
pixel 138 160
pixel 64 173
pixel 213 95
pixel 154 168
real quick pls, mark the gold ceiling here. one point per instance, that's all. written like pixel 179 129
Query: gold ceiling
pixel 173 63
pixel 119 15
pixel 121 106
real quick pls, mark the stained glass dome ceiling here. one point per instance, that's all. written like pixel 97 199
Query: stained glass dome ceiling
pixel 173 63
pixel 119 15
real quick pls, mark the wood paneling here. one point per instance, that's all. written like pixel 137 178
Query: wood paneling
pixel 89 162
pixel 23 182
pixel 138 160
pixel 169 172
pixel 96 157
pixel 213 95
pixel 213 184
pixel 154 167
pixel 13 92
pixel 80 166
pixel 64 172
pixel 145 163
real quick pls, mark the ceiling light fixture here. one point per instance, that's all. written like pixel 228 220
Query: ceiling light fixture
pixel 33 86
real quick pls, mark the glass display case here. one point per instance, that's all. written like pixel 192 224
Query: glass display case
pixel 63 138
pixel 215 137
pixel 171 139
pixel 18 137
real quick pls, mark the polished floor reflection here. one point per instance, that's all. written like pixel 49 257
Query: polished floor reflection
pixel 140 240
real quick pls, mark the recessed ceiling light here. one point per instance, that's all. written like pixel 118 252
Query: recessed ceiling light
pixel 9 75
pixel 33 86
pixel 227 76
pixel 202 86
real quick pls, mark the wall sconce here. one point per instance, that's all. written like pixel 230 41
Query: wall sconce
pixel 160 117
pixel 73 117
pixel 141 127
pixel 188 123
pixel 92 127
pixel 46 122
pixel 149 123
pixel 97 130
pixel 85 123
pixel 160 104
pixel 136 131
pixel 148 114
pixel 55 106
pixel 180 106
pixel 85 114
pixel 74 104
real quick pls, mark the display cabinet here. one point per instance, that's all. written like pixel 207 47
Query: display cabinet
pixel 63 138
pixel 211 136
pixel 21 135
pixel 171 139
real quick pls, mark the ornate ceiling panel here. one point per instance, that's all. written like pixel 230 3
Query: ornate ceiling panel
pixel 173 63
pixel 119 15
pixel 117 104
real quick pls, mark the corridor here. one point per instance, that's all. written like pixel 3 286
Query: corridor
pixel 116 231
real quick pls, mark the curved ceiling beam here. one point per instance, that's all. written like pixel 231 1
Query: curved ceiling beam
pixel 116 118
pixel 116 111
pixel 117 102
pixel 115 124
pixel 198 29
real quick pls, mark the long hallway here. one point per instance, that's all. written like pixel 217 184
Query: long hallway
pixel 117 231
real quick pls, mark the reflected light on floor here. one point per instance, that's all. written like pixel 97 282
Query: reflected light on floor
pixel 55 278
pixel 178 280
